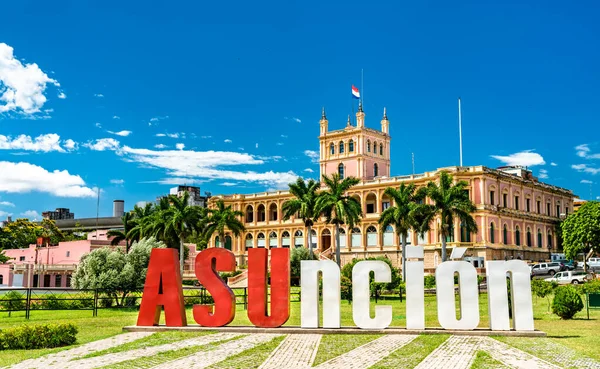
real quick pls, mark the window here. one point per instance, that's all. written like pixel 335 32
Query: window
pixel 261 240
pixel 341 147
pixel 1 279
pixel 548 209
pixel 299 239
pixel 21 258
pixel 517 236
pixel 388 236
pixel 539 238
pixel 356 238
pixel 492 197
pixel 368 146
pixel 505 200
pixel 341 170
pixel 262 214
pixel 492 233
pixel 57 280
pixel 527 205
pixel 332 149
pixel 370 208
pixel 505 235
pixel 342 237
pixel 351 146
pixel 517 202
pixel 273 212
pixel 372 236
pixel 567 211
pixel 549 243
pixel 465 235
pixel 68 253
pixel 249 241
pixel 375 170
pixel 528 237
pixel 249 214
pixel 539 207
pixel 558 210
pixel 385 205
pixel 450 235
pixel 68 284
pixel 272 240
pixel 381 149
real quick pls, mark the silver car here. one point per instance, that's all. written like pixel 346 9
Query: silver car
pixel 545 268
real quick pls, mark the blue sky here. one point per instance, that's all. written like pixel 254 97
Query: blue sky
pixel 133 98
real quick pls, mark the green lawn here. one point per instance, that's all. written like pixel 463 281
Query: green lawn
pixel 579 334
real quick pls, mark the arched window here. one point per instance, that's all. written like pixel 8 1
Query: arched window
pixel 273 212
pixel 368 146
pixel 261 213
pixel 332 148
pixel 298 238
pixel 1 279
pixel 249 214
pixel 492 233
pixel 450 235
pixel 249 241
pixel 505 235
pixel 341 170
pixel 356 237
pixel 465 235
pixel 381 149
pixel 371 236
pixel 285 239
pixel 388 236
pixel 549 243
pixel 272 240
pixel 342 237
pixel 351 146
pixel 217 242
pixel 341 147
pixel 375 170
pixel 528 236
pixel 517 236
pixel 540 240
pixel 261 239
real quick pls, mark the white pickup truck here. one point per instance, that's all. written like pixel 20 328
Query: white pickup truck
pixel 568 278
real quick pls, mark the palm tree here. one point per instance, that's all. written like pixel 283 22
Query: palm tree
pixel 449 201
pixel 222 218
pixel 404 215
pixel 337 207
pixel 142 219
pixel 119 235
pixel 175 221
pixel 304 204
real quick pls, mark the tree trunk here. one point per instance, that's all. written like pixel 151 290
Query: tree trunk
pixel 310 247
pixel 337 244
pixel 404 257
pixel 443 247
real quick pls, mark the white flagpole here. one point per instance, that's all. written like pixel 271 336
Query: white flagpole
pixel 460 132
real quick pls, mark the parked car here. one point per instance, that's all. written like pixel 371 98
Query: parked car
pixel 568 264
pixel 593 263
pixel 545 268
pixel 568 278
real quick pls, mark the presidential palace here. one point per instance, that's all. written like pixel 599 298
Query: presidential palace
pixel 516 214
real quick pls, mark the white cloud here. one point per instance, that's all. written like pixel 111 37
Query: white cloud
pixel 279 143
pixel 121 133
pixel 179 146
pixel 116 117
pixel 31 214
pixel 103 144
pixel 227 141
pixel 229 184
pixel 160 146
pixel 4 214
pixel 585 169
pixel 98 95
pixel 241 148
pixel 160 135
pixel 117 181
pixel 25 177
pixel 284 136
pixel 45 143
pixel 256 145
pixel 62 95
pixel 170 135
pixel 98 125
pixel 155 120
pixel 297 120
pixel 6 203
pixel 22 86
pixel 205 136
pixel 553 164
pixel 308 170
pixel 586 181
pixel 178 181
pixel 543 174
pixel 584 151
pixel 525 158
pixel 313 155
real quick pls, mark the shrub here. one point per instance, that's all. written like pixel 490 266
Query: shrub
pixel 28 337
pixel 542 289
pixel 52 302
pixel 592 286
pixel 13 301
pixel 297 255
pixel 346 288
pixel 567 302
pixel 225 275
pixel 429 281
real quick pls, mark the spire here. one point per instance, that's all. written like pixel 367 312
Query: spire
pixel 360 105
pixel 348 124
pixel 323 115
pixel 385 114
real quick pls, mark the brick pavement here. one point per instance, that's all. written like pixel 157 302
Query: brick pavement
pixel 295 351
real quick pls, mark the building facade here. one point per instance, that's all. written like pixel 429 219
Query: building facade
pixel 58 214
pixel 516 214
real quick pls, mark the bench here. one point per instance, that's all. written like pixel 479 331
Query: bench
pixel 593 302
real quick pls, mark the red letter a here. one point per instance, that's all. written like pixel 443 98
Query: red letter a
pixel 208 263
pixel 163 289
pixel 257 287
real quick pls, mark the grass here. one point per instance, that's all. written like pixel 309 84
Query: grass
pixel 412 354
pixel 484 361
pixel 578 334
pixel 156 339
pixel 167 356
pixel 333 345
pixel 251 358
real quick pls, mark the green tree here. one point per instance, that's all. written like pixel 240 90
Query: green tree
pixel 20 234
pixel 122 235
pixel 50 231
pixel 3 258
pixel 177 222
pixel 375 287
pixel 115 272
pixel 567 302
pixel 337 207
pixel 404 215
pixel 297 255
pixel 223 218
pixel 450 201
pixel 543 289
pixel 581 232
pixel 141 222
pixel 304 204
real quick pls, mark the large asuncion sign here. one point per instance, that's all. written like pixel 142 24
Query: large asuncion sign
pixel 163 290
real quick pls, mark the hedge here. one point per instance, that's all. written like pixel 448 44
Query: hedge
pixel 28 337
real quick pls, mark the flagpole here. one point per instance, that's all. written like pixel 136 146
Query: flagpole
pixel 460 132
